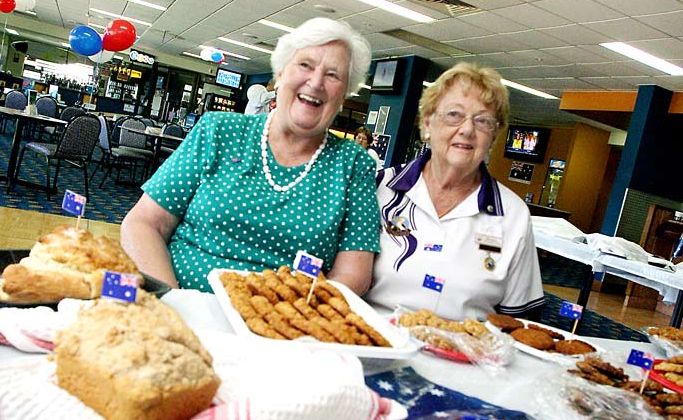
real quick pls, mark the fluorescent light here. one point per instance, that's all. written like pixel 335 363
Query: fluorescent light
pixel 242 57
pixel 11 31
pixel 426 83
pixel 364 86
pixel 192 55
pixel 276 25
pixel 527 89
pixel 147 4
pixel 399 10
pixel 245 45
pixel 643 57
pixel 28 12
pixel 66 44
pixel 355 94
pixel 94 25
pixel 104 12
pixel 117 57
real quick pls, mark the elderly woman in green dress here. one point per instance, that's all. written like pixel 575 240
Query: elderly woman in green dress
pixel 248 191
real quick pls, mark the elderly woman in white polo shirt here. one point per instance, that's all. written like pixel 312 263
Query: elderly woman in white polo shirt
pixel 455 240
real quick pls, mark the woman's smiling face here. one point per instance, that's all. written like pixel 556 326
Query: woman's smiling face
pixel 312 87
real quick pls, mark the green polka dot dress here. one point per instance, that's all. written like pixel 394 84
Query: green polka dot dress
pixel 231 218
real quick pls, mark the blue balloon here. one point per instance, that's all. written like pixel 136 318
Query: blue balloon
pixel 216 56
pixel 85 40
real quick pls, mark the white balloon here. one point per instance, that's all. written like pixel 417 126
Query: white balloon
pixel 25 5
pixel 102 56
pixel 206 54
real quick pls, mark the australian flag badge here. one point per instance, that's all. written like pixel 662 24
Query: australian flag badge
pixel 307 264
pixel 120 286
pixel 571 310
pixel 433 247
pixel 433 282
pixel 73 203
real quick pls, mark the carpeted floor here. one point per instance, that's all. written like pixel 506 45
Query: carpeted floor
pixel 560 271
pixel 109 204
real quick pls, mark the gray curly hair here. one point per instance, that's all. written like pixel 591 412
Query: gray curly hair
pixel 320 31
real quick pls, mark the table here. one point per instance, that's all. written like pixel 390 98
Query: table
pixel 511 390
pixel 21 118
pixel 158 140
pixel 669 284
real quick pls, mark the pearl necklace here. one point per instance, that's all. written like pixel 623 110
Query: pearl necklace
pixel 264 159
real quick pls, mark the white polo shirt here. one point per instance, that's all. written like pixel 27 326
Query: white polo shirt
pixel 438 264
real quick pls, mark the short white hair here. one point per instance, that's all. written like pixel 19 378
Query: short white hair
pixel 320 31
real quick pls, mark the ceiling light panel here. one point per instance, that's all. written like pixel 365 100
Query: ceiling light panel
pixel 148 4
pixel 527 89
pixel 643 57
pixel 275 25
pixel 245 45
pixel 399 10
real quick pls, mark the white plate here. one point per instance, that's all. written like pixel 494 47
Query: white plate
pixel 402 346
pixel 562 359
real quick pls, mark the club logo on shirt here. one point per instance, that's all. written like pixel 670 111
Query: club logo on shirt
pixel 398 226
pixel 433 282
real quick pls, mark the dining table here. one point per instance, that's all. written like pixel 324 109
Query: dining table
pixel 158 139
pixel 22 117
pixel 450 385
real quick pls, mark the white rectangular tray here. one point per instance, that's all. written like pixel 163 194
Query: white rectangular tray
pixel 402 346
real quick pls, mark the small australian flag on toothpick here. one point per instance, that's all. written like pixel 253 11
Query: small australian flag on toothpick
pixel 571 310
pixel 642 359
pixel 73 203
pixel 307 264
pixel 119 286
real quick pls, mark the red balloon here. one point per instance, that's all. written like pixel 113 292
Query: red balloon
pixel 119 35
pixel 7 6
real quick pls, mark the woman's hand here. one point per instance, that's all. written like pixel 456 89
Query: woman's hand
pixel 145 233
pixel 354 269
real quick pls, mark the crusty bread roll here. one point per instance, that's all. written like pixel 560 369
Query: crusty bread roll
pixel 67 262
pixel 135 361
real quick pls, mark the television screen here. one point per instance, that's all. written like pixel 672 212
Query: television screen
pixel 387 76
pixel 228 78
pixel 527 143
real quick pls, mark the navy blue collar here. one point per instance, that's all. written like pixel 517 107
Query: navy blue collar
pixel 489 195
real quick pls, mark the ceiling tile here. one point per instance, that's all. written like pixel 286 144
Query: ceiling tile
pixel 537 39
pixel 579 10
pixel 493 23
pixel 489 44
pixel 635 8
pixel 625 30
pixel 575 34
pixel 448 30
pixel 532 16
pixel 576 55
pixel 669 23
pixel 667 48
pixel 611 83
pixel 493 4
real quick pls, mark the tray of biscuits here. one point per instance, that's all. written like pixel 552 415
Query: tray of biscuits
pixel 272 305
pixel 669 339
pixel 542 341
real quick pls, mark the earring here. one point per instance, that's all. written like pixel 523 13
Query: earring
pixel 426 138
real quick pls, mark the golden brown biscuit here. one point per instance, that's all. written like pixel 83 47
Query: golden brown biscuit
pixel 571 347
pixel 312 329
pixel 534 338
pixel 365 328
pixel 506 323
pixel 261 327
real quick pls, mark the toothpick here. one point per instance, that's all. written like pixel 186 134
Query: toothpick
pixel 642 385
pixel 310 292
pixel 576 323
pixel 78 222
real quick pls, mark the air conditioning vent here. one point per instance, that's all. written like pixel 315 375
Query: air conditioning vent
pixel 452 8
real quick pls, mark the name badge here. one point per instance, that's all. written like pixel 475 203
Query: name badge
pixel 490 238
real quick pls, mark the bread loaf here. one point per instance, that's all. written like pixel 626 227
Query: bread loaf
pixel 135 361
pixel 67 262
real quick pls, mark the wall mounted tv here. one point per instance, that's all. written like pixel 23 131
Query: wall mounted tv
pixel 228 78
pixel 388 76
pixel 527 143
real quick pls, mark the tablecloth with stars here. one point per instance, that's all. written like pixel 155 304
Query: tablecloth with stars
pixel 231 218
pixel 426 400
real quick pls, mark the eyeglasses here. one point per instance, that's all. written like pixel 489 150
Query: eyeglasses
pixel 484 123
